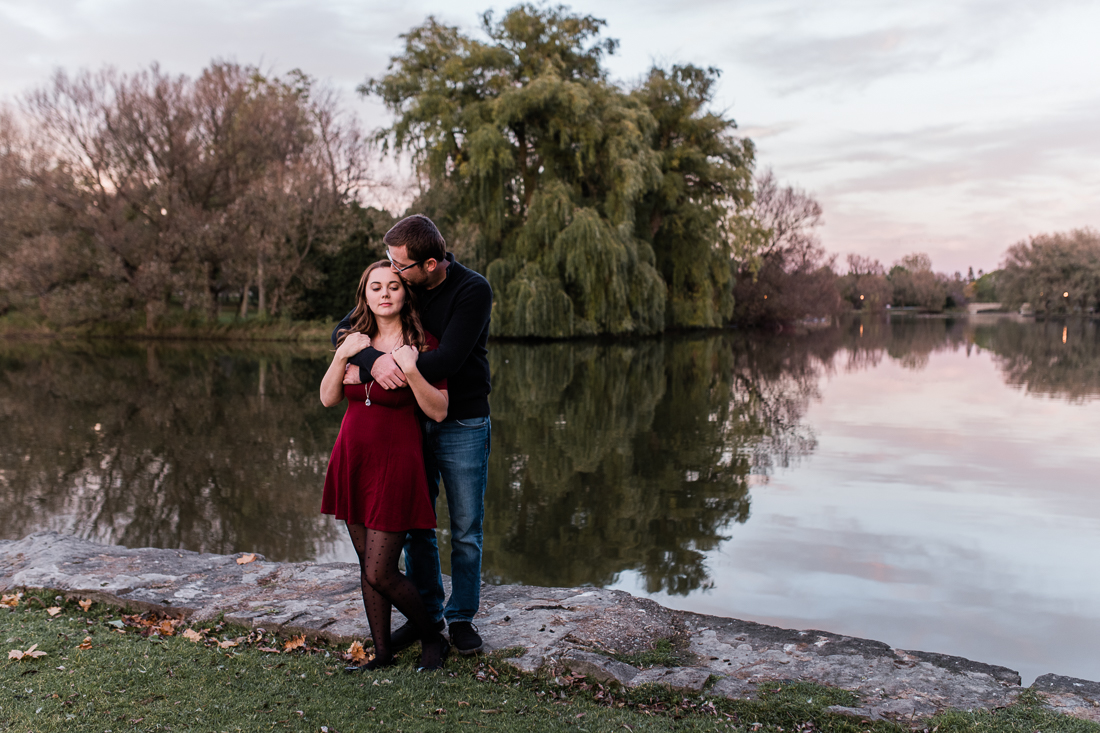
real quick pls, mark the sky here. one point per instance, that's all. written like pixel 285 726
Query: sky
pixel 955 128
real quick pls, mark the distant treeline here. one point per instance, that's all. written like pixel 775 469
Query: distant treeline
pixel 591 206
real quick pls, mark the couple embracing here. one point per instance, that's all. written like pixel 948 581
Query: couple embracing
pixel 411 360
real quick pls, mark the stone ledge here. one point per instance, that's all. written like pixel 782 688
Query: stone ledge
pixel 556 627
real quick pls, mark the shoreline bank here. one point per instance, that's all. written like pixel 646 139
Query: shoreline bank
pixel 584 630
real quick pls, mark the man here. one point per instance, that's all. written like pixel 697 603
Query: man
pixel 455 304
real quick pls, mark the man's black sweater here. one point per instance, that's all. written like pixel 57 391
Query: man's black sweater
pixel 457 313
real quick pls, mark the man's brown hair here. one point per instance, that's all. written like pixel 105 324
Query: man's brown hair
pixel 420 237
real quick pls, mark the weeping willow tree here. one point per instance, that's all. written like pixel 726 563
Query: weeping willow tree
pixel 591 209
pixel 694 218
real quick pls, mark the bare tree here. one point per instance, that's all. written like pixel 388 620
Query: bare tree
pixel 783 272
pixel 187 189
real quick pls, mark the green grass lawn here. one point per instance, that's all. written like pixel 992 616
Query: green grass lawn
pixel 130 677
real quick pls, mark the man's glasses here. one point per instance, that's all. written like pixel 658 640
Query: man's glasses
pixel 398 268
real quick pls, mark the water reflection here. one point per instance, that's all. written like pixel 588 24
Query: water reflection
pixel 612 457
pixel 607 456
pixel 207 448
pixel 1056 358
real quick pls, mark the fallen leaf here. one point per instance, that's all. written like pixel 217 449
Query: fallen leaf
pixel 86 604
pixel 463 704
pixel 357 653
pixel 166 628
pixel 10 601
pixel 269 650
pixel 227 644
pixel 86 644
pixel 17 655
pixel 53 610
pixel 295 643
pixel 246 558
pixel 116 623
pixel 192 636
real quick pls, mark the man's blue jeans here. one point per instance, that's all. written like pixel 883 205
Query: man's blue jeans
pixel 457 451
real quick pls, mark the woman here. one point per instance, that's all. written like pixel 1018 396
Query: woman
pixel 375 480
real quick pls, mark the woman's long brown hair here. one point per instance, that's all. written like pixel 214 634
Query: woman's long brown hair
pixel 363 321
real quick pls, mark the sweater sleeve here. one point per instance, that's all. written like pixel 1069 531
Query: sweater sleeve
pixel 364 359
pixel 469 317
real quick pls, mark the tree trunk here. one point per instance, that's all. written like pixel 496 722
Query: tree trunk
pixel 263 380
pixel 261 303
pixel 243 312
pixel 151 309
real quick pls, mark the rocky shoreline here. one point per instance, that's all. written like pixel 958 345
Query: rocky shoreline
pixel 581 630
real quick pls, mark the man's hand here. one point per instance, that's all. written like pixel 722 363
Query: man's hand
pixel 351 375
pixel 387 373
pixel 406 358
pixel 353 343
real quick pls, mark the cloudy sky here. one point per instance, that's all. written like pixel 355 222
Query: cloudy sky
pixel 953 128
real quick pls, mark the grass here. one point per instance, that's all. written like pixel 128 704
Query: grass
pixel 131 677
pixel 663 653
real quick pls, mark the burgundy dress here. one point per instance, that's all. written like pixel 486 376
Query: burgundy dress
pixel 376 473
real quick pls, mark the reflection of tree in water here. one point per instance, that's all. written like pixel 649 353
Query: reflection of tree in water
pixel 607 457
pixel 633 455
pixel 200 449
pixel 1052 357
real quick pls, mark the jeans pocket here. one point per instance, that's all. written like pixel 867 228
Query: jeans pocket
pixel 473 422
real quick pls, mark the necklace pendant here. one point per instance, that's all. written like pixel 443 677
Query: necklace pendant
pixel 367 402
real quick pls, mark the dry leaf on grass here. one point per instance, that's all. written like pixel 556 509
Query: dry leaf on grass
pixel 86 604
pixel 86 644
pixel 166 628
pixel 17 655
pixel 246 558
pixel 227 644
pixel 192 635
pixel 10 601
pixel 53 611
pixel 356 653
pixel 295 643
pixel 269 650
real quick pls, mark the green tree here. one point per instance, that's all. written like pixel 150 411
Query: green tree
pixel 705 173
pixel 984 289
pixel 1055 273
pixel 574 196
pixel 915 285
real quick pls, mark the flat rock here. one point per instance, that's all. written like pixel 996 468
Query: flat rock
pixel 1076 697
pixel 558 629
pixel 598 667
pixel 681 679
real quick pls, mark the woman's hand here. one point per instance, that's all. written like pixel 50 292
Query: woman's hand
pixel 406 357
pixel 353 344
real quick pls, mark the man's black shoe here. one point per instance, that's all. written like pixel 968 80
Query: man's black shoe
pixel 465 638
pixel 407 635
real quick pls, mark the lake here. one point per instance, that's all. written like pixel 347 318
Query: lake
pixel 927 482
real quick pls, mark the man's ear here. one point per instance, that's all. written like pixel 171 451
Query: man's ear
pixel 430 264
